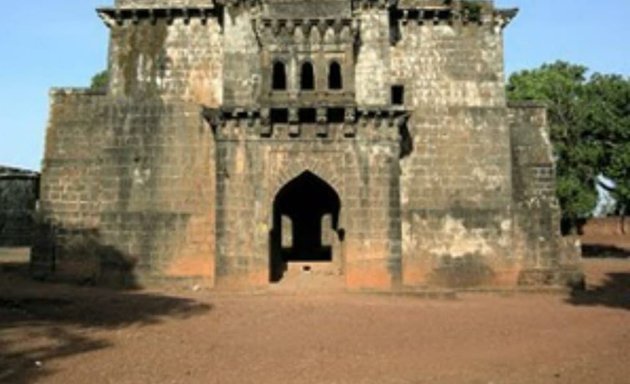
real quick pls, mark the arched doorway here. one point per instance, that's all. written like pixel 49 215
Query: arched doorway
pixel 305 224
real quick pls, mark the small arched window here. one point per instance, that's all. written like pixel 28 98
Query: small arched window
pixel 307 79
pixel 279 80
pixel 335 78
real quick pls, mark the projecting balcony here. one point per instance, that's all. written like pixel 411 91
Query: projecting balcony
pixel 308 98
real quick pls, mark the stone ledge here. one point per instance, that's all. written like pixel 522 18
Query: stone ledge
pixel 527 104
pixel 70 91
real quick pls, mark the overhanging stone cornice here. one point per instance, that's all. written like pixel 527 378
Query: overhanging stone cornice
pixel 113 16
pixel 437 12
pixel 504 16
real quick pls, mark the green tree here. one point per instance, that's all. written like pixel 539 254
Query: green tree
pixel 608 116
pixel 100 81
pixel 561 86
pixel 589 121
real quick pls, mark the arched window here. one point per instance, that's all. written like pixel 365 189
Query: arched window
pixel 279 81
pixel 335 78
pixel 307 80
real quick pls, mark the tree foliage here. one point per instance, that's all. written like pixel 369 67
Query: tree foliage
pixel 589 119
pixel 100 81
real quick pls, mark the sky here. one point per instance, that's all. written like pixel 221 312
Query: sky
pixel 63 43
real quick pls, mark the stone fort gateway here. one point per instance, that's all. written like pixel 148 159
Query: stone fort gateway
pixel 243 142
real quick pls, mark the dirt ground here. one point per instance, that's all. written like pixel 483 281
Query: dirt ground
pixel 52 333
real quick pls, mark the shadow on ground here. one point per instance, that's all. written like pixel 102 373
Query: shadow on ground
pixel 41 323
pixel 614 292
pixel 596 251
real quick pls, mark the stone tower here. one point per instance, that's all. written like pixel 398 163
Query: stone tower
pixel 241 141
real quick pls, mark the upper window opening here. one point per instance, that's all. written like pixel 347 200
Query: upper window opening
pixel 398 95
pixel 279 81
pixel 308 77
pixel 335 79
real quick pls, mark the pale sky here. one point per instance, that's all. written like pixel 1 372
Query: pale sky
pixel 62 43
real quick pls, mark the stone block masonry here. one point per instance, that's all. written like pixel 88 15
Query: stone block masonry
pixel 361 141
pixel 128 185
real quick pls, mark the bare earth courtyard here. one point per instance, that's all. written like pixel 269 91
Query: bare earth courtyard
pixel 63 334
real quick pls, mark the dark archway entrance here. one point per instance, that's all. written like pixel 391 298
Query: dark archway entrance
pixel 305 218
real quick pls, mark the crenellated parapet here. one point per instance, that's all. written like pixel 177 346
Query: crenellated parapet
pixel 307 31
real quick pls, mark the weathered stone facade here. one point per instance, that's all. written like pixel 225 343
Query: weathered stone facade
pixel 241 141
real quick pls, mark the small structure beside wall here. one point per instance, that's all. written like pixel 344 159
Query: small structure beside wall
pixel 19 192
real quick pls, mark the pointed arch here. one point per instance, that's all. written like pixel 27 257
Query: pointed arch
pixel 307 76
pixel 310 189
pixel 279 76
pixel 335 76
pixel 300 207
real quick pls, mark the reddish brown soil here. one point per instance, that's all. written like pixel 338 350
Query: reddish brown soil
pixel 605 238
pixel 62 334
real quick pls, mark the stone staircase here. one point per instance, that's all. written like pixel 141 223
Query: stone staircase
pixel 310 277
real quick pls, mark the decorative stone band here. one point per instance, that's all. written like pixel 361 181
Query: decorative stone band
pixel 119 16
pixel 355 123
pixel 345 29
pixel 378 4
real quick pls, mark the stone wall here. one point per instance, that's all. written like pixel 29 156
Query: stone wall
pixel 157 191
pixel 449 64
pixel 456 200
pixel 175 59
pixel 69 201
pixel 546 257
pixel 127 190
pixel 373 58
pixel 242 77
pixel 19 190
pixel 456 180
pixel 359 162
